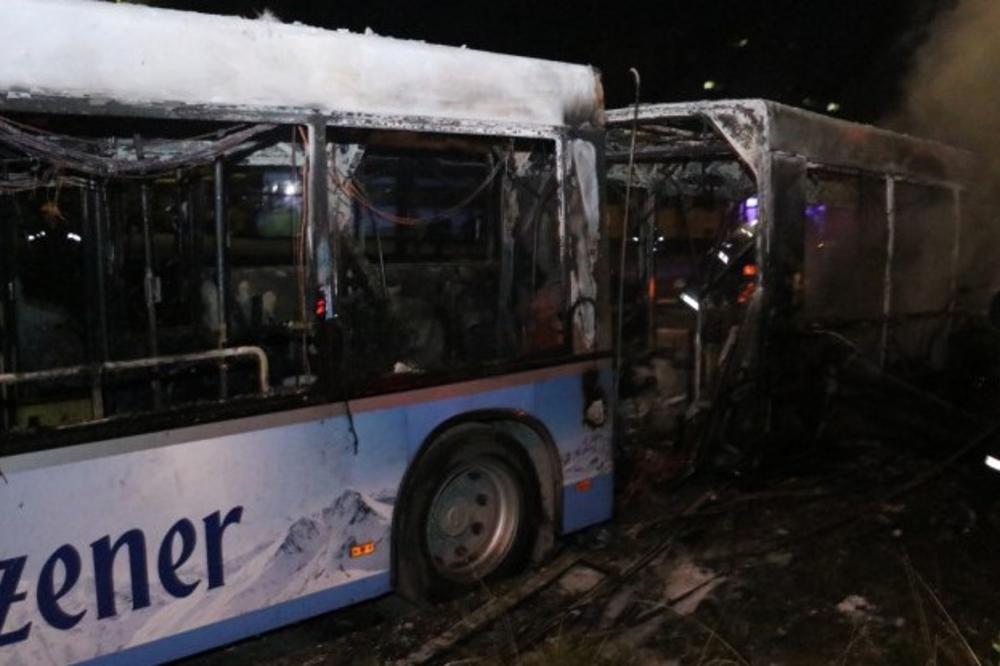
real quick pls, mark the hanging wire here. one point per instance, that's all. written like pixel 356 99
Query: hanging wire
pixel 625 220
pixel 356 192
pixel 37 142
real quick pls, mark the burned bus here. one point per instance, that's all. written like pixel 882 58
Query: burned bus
pixel 289 318
pixel 772 256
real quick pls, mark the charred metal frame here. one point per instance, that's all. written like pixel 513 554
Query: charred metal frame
pixel 108 367
pixel 779 145
pixel 324 236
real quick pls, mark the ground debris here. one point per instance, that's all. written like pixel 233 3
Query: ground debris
pixel 687 584
pixel 579 579
pixel 856 608
pixel 491 611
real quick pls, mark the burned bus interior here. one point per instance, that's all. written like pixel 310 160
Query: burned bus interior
pixel 773 258
pixel 156 265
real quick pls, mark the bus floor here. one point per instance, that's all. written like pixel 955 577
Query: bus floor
pixel 859 552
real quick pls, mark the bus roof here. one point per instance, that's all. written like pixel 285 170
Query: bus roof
pixel 135 55
pixel 757 126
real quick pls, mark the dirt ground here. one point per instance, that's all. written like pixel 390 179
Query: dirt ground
pixel 856 553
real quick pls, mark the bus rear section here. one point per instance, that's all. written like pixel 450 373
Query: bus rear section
pixel 782 264
pixel 266 355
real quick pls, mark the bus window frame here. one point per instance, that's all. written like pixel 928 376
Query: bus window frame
pixel 317 125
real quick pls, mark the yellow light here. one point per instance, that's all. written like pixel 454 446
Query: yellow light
pixel 362 549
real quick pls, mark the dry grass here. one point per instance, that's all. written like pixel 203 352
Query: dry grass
pixel 941 638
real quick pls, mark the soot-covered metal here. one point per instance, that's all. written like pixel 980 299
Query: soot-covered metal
pixel 781 257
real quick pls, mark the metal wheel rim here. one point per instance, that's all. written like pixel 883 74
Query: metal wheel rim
pixel 473 520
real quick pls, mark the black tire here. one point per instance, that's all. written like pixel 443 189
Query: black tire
pixel 422 576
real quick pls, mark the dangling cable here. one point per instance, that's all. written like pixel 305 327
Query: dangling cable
pixel 621 261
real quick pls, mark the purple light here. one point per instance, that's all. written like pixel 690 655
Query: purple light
pixel 749 211
pixel 816 212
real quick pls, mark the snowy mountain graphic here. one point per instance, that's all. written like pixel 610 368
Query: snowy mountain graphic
pixel 314 553
pixel 326 539
pixel 311 555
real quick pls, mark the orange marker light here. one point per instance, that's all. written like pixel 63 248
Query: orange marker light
pixel 363 549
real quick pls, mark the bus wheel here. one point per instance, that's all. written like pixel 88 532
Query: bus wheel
pixel 475 499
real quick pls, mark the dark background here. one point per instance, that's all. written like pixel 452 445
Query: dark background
pixel 854 53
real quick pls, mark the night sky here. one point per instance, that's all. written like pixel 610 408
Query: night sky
pixel 852 53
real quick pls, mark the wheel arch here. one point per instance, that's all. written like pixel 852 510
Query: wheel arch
pixel 536 444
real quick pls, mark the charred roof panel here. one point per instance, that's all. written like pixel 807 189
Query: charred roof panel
pixel 131 55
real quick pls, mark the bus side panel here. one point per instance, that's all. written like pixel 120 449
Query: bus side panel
pixel 287 519
pixel 191 541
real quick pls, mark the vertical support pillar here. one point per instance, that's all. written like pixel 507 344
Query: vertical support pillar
pixel 509 214
pixel 100 259
pixel 319 236
pixel 956 249
pixel 150 281
pixel 8 304
pixel 321 277
pixel 561 184
pixel 97 222
pixel 890 216
pixel 647 231
pixel 221 233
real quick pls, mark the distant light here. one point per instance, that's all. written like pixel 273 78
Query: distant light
pixel 31 237
pixel 708 85
pixel 661 238
pixel 993 463
pixel 742 43
pixel 291 189
pixel 74 237
pixel 749 211
pixel 723 257
pixel 693 303
pixel 635 239
pixel 833 107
